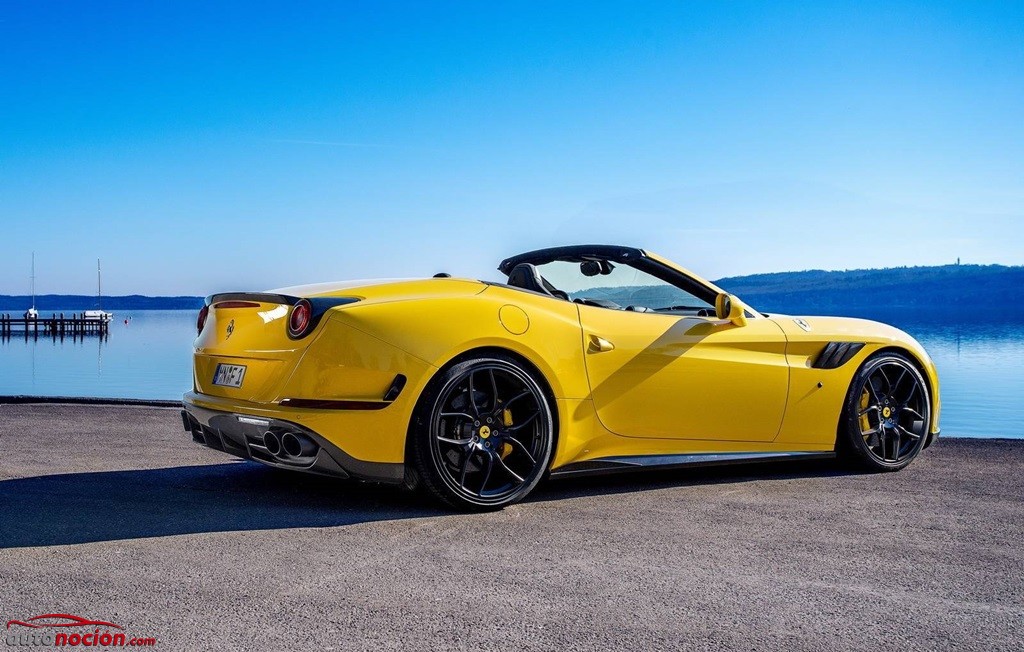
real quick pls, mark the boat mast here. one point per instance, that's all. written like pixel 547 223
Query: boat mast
pixel 33 280
pixel 99 286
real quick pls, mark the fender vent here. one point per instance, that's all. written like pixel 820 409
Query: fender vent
pixel 836 354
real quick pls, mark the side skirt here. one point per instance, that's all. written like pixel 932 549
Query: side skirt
pixel 628 463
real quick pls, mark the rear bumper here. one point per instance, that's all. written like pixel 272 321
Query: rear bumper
pixel 242 435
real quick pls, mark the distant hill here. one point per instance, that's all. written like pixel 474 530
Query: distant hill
pixel 76 302
pixel 947 287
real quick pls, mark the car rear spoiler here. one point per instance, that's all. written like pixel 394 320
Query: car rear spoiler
pixel 320 304
pixel 260 297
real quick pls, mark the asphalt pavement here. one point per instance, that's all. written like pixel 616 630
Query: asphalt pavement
pixel 112 513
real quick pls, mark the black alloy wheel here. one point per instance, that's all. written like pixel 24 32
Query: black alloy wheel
pixel 484 434
pixel 886 415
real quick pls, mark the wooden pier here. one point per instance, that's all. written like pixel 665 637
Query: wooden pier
pixel 75 325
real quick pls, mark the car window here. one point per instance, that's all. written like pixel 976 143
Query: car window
pixel 621 286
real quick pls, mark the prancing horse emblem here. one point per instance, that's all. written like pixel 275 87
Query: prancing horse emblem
pixel 231 329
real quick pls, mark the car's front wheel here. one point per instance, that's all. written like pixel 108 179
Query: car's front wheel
pixel 483 434
pixel 886 415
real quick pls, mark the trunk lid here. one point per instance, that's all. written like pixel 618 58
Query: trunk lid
pixel 250 330
pixel 247 334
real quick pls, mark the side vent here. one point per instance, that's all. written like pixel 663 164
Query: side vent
pixel 395 389
pixel 836 354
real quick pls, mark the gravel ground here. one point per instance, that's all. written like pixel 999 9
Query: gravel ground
pixel 113 513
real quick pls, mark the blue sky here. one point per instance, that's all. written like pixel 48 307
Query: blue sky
pixel 197 147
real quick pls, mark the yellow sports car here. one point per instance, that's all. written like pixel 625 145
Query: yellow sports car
pixel 588 359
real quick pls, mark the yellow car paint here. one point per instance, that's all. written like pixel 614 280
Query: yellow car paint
pixel 667 385
pixel 687 377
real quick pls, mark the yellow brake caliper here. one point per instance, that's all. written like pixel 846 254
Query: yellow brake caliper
pixel 506 420
pixel 865 423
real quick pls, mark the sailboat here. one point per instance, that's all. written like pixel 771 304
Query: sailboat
pixel 32 313
pixel 98 314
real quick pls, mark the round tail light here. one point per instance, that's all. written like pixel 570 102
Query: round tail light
pixel 201 320
pixel 300 319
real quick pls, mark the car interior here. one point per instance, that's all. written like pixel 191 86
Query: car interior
pixel 526 276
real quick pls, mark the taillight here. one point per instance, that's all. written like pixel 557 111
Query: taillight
pixel 201 320
pixel 300 319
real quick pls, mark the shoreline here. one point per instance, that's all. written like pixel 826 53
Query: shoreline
pixel 27 399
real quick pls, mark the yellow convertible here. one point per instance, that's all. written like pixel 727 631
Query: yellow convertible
pixel 587 359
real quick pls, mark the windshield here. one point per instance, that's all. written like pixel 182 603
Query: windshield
pixel 620 286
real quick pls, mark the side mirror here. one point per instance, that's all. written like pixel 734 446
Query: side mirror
pixel 728 307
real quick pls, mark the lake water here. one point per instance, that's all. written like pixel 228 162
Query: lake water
pixel 981 365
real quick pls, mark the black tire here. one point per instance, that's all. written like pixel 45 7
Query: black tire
pixel 886 415
pixel 482 435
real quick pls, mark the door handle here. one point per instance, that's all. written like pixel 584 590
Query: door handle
pixel 599 344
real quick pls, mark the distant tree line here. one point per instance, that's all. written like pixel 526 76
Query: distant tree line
pixel 77 302
pixel 949 287
pixel 945 288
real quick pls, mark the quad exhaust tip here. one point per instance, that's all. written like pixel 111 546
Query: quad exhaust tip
pixel 296 445
pixel 289 445
pixel 272 443
pixel 284 446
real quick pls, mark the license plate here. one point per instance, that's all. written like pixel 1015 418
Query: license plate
pixel 229 375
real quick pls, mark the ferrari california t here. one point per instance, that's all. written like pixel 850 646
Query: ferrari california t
pixel 586 359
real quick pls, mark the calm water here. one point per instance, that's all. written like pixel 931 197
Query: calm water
pixel 150 357
pixel 981 365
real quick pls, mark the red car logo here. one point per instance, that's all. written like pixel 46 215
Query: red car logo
pixel 70 621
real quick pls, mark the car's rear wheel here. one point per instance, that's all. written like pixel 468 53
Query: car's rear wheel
pixel 886 415
pixel 483 434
